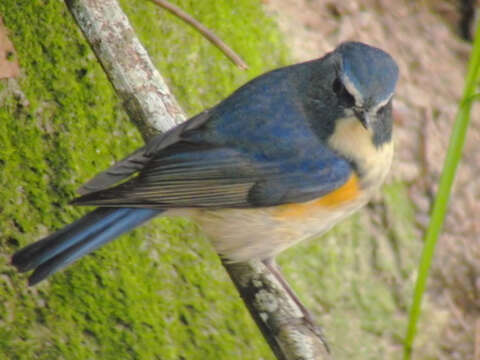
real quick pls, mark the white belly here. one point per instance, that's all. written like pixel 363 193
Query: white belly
pixel 243 234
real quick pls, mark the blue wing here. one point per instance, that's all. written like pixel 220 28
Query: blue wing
pixel 256 148
pixel 221 177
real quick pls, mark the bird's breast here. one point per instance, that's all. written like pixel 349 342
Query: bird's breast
pixel 340 197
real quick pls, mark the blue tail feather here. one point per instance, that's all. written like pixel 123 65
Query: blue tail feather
pixel 83 236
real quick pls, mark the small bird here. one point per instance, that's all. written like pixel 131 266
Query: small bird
pixel 284 158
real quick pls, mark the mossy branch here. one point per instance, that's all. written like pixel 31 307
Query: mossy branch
pixel 153 109
pixel 143 91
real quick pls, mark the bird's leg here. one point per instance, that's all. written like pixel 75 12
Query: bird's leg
pixel 307 315
pixel 273 267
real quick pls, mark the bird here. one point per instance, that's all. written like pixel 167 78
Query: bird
pixel 284 158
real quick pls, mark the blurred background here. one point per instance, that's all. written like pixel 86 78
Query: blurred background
pixel 161 292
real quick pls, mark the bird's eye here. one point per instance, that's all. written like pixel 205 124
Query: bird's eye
pixel 337 86
pixel 342 92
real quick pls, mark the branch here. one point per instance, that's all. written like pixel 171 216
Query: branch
pixel 277 315
pixel 153 108
pixel 146 97
pixel 214 39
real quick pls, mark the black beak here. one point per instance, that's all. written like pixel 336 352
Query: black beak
pixel 362 117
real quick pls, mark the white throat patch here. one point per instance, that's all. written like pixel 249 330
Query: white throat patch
pixel 351 140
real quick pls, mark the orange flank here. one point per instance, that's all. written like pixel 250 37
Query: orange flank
pixel 345 193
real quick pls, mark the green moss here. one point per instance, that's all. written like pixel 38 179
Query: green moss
pixel 161 291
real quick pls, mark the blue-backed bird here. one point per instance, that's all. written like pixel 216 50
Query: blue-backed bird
pixel 285 157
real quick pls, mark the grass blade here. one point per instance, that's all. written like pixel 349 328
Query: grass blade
pixel 452 159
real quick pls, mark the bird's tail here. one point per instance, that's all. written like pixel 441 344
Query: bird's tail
pixel 83 236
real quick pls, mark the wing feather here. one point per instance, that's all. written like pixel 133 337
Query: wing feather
pixel 207 163
pixel 224 178
pixel 137 160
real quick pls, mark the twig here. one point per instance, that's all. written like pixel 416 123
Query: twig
pixel 476 355
pixel 214 39
pixel 126 62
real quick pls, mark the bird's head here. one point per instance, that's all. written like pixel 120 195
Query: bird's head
pixel 364 84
